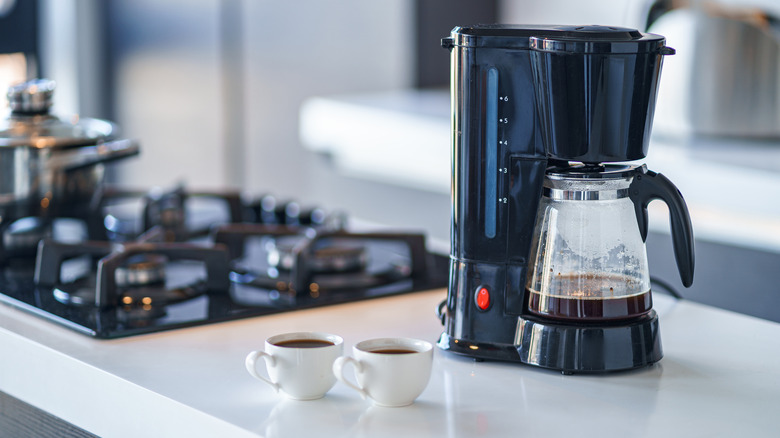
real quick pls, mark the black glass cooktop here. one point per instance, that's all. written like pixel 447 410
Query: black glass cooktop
pixel 145 262
pixel 247 294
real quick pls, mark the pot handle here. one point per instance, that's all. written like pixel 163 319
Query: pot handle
pixel 647 186
pixel 85 156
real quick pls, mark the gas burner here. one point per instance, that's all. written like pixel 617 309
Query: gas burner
pixel 322 283
pixel 141 270
pixel 165 209
pixel 182 215
pixel 24 234
pixel 133 304
pixel 20 238
pixel 307 262
pixel 186 215
pixel 325 256
pixel 132 274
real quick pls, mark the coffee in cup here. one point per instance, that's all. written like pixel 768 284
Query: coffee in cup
pixel 299 365
pixel 389 371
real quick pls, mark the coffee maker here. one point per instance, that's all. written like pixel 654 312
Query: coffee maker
pixel 548 263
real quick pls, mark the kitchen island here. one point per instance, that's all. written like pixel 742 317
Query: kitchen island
pixel 720 377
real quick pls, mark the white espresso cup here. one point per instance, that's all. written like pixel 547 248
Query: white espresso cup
pixel 389 371
pixel 299 364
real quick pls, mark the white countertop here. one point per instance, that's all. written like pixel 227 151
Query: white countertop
pixel 720 377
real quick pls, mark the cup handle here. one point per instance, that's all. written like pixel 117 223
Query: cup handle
pixel 251 366
pixel 338 370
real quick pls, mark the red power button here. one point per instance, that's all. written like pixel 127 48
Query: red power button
pixel 483 298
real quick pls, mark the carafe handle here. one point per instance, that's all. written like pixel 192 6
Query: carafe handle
pixel 647 186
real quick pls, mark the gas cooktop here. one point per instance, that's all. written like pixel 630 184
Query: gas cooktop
pixel 144 262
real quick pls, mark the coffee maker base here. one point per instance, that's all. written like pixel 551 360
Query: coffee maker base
pixel 570 348
pixel 582 348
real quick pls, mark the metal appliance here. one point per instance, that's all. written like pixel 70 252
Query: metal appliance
pixel 52 166
pixel 537 111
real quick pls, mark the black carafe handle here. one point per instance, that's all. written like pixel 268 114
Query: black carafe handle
pixel 647 186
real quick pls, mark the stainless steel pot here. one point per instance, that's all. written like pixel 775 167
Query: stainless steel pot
pixel 51 166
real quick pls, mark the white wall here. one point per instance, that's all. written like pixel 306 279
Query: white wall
pixel 298 49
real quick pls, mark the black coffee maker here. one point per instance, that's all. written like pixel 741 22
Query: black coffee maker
pixel 547 268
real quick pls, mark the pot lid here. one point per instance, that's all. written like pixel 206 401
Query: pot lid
pixel 30 123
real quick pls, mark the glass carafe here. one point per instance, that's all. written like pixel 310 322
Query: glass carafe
pixel 588 259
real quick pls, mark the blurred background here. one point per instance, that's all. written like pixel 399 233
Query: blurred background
pixel 344 103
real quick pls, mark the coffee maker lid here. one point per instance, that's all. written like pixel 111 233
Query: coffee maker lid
pixel 504 36
pixel 599 40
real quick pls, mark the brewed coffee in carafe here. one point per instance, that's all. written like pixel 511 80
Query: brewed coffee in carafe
pixel 589 259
